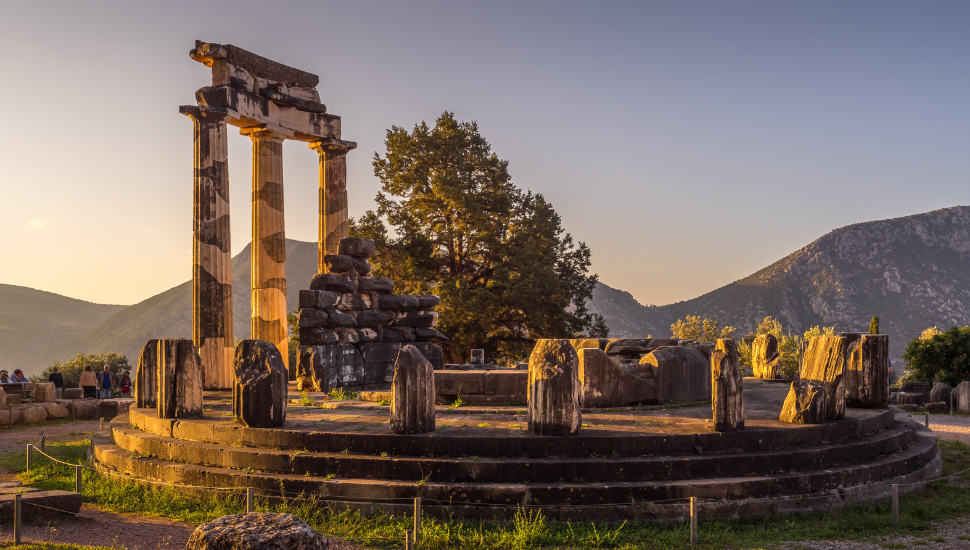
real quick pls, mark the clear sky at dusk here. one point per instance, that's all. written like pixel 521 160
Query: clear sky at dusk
pixel 687 143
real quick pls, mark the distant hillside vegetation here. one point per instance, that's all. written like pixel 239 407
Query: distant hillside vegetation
pixel 34 325
pixel 911 272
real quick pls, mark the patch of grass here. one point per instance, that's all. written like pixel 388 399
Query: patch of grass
pixel 456 403
pixel 484 425
pixel 339 394
pixel 305 400
pixel 383 402
pixel 52 546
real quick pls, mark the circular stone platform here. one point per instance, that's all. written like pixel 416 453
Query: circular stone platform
pixel 626 463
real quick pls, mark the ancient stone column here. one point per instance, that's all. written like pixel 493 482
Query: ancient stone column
pixel 333 197
pixel 269 241
pixel 412 393
pixel 259 386
pixel 179 386
pixel 867 370
pixel 727 392
pixel 212 263
pixel 765 357
pixel 824 365
pixel 146 376
pixel 554 389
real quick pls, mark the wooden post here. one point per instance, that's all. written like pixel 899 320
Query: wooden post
pixel 43 441
pixel 29 447
pixel 409 540
pixel 16 519
pixel 417 520
pixel 10 417
pixel 250 504
pixel 693 520
pixel 895 506
pixel 926 419
pixel 73 408
pixel 77 479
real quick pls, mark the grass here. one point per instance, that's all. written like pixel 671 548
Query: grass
pixel 529 529
pixel 305 400
pixel 53 546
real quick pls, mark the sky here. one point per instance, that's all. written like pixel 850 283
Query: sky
pixel 688 144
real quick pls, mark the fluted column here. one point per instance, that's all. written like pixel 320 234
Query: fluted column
pixel 269 241
pixel 333 196
pixel 212 263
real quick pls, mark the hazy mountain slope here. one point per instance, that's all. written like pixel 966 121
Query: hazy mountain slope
pixel 169 314
pixel 911 272
pixel 34 324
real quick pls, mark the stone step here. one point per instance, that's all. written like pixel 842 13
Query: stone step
pixel 477 442
pixel 38 502
pixel 515 469
pixel 918 456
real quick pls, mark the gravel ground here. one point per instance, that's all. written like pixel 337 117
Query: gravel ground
pixel 947 536
pixel 950 428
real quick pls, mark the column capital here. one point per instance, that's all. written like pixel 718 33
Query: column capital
pixel 264 133
pixel 198 114
pixel 332 145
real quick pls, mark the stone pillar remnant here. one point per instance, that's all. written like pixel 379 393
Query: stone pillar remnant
pixel 146 376
pixel 179 385
pixel 805 404
pixel 824 365
pixel 333 197
pixel 211 259
pixel 412 393
pixel 867 370
pixel 269 241
pixel 727 392
pixel 765 359
pixel 259 385
pixel 554 389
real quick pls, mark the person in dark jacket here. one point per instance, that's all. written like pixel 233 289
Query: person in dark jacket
pixel 105 381
pixel 58 379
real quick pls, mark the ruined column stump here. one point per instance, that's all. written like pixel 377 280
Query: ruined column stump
pixel 765 359
pixel 412 393
pixel 554 389
pixel 146 376
pixel 867 371
pixel 824 365
pixel 44 392
pixel 259 385
pixel 941 393
pixel 179 383
pixel 805 404
pixel 961 398
pixel 727 392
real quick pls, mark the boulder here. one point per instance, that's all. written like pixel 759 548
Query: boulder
pixel 909 407
pixel 412 393
pixel 356 247
pixel 727 391
pixel 256 531
pixel 78 393
pixel 333 283
pixel 867 370
pixel 31 414
pixel 608 384
pixel 681 373
pixel 805 404
pixel 180 377
pixel 554 389
pixel 84 408
pixel 765 359
pixel 146 379
pixel 912 398
pixel 961 398
pixel 259 385
pixel 55 410
pixel 318 299
pixel 941 393
pixel 938 407
pixel 44 392
pixel 824 365
pixel 110 408
pixel 5 416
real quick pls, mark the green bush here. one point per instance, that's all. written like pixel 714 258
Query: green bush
pixel 71 370
pixel 939 357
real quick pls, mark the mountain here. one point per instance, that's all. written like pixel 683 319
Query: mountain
pixel 34 325
pixel 911 272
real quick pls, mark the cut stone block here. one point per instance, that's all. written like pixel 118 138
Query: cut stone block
pixel 312 318
pixel 78 393
pixel 381 285
pixel 33 414
pixel 352 301
pixel 3 398
pixel 554 389
pixel 608 384
pixel 765 359
pixel 346 335
pixel 180 377
pixel 805 404
pixel 85 408
pixel 338 319
pixel 379 361
pixel 398 302
pixel 428 301
pixel 429 335
pixel 477 357
pixel 588 343
pixel 317 337
pixel 451 384
pixel 941 393
pixel 319 299
pixel 824 365
pixel 5 416
pixel 432 352
pixel 937 408
pixel 265 531
pixel 348 364
pixel 916 387
pixel 627 347
pixel 912 398
pixel 412 398
pixel 362 267
pixel 367 336
pixel 259 385
pixel 507 382
pixel 337 263
pixel 867 371
pixel 397 334
pixel 356 247
pixel 373 319
pixel 727 393
pixel 333 282
pixel 146 379
pixel 55 410
pixel 415 319
pixel 44 392
pixel 311 368
pixel 681 373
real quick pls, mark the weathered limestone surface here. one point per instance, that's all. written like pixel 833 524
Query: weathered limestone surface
pixel 179 385
pixel 938 408
pixel 912 398
pixel 44 392
pixel 259 386
pixel 681 373
pixel 916 387
pixel 412 393
pixel 727 393
pixel 608 384
pixel 333 201
pixel 554 389
pixel 867 371
pixel 824 365
pixel 78 393
pixel 212 329
pixel 3 398
pixel 941 393
pixel 262 531
pixel 146 378
pixel 805 404
pixel 269 242
pixel 961 397
pixel 765 359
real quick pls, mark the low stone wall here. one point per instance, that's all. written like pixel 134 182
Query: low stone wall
pixel 65 408
pixel 482 387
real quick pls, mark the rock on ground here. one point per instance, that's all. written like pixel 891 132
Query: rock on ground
pixel 256 531
pixel 805 404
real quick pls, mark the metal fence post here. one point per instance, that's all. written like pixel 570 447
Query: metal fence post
pixel 16 519
pixel 895 506
pixel 693 520
pixel 417 520
pixel 926 419
pixel 43 441
pixel 250 504
pixel 29 447
pixel 77 479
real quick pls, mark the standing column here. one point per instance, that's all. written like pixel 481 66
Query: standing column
pixel 333 196
pixel 212 264
pixel 269 241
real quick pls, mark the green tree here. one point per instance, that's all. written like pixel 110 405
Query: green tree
pixel 293 344
pixel 498 257
pixel 874 325
pixel 703 330
pixel 71 370
pixel 942 357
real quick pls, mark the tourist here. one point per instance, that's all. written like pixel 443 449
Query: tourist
pixel 125 383
pixel 4 377
pixel 104 382
pixel 18 376
pixel 58 379
pixel 89 382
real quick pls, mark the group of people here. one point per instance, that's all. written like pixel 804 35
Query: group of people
pixel 94 385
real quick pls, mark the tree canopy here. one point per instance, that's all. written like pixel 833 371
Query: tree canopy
pixel 505 269
pixel 940 357
pixel 703 330
pixel 71 370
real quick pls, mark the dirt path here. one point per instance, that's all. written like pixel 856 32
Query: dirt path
pixel 951 428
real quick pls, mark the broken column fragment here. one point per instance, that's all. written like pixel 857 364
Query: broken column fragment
pixel 606 383
pixel 727 387
pixel 146 376
pixel 805 404
pixel 554 389
pixel 867 371
pixel 412 393
pixel 765 359
pixel 180 376
pixel 824 365
pixel 259 385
